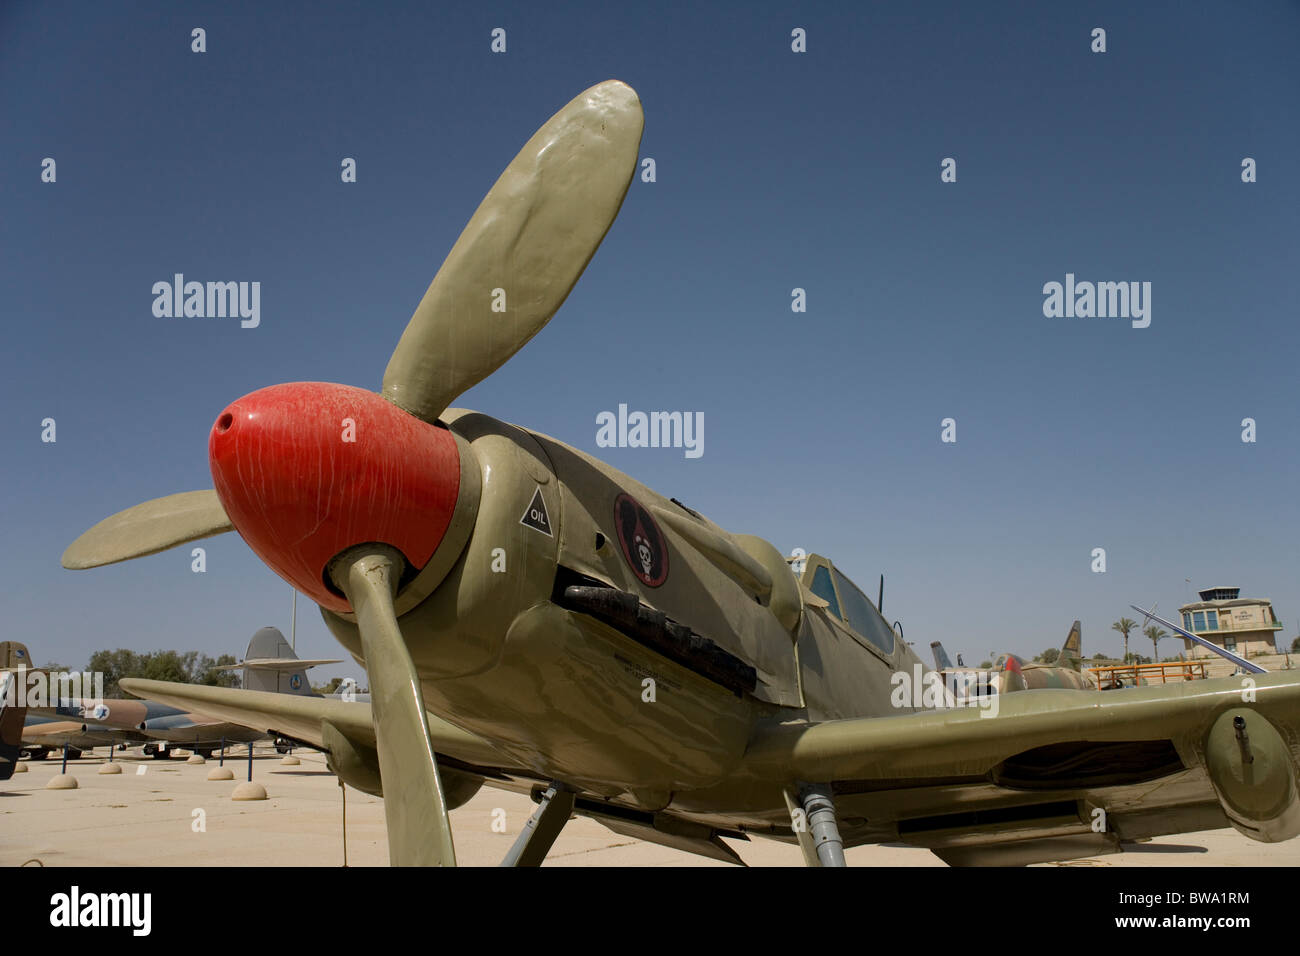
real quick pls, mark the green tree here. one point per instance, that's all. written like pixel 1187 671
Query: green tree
pixel 1124 625
pixel 986 664
pixel 331 687
pixel 206 672
pixel 188 667
pixel 169 666
pixel 1295 646
pixel 1155 632
pixel 115 665
pixel 1049 656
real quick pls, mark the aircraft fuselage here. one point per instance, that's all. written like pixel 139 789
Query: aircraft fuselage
pixel 502 653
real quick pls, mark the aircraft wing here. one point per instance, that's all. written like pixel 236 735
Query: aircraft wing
pixel 1156 759
pixel 48 732
pixel 300 718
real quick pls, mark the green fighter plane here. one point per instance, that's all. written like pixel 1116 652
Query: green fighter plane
pixel 532 618
pixel 1011 673
pixel 81 724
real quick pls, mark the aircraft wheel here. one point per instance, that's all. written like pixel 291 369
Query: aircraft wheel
pixel 40 754
pixel 161 754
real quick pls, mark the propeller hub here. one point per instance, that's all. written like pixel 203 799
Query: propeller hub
pixel 309 469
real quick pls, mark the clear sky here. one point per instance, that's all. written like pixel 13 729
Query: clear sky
pixel 775 170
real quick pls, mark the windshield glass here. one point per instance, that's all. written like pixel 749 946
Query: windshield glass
pixel 862 615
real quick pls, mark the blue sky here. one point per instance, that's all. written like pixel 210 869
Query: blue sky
pixel 775 170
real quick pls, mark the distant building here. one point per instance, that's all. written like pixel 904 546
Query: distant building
pixel 1244 626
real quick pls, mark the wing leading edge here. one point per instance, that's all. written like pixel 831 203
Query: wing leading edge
pixel 302 718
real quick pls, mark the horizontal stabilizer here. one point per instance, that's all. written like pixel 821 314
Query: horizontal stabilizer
pixel 278 664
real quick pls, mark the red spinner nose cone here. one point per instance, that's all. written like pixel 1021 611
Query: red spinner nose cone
pixel 310 469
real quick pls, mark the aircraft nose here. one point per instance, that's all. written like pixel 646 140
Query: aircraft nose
pixel 309 469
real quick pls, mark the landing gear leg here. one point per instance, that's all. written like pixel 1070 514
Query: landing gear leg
pixel 818 831
pixel 542 828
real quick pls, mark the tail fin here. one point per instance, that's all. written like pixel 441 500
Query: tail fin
pixel 1010 676
pixel 1072 650
pixel 271 664
pixel 940 656
pixel 14 659
pixel 268 644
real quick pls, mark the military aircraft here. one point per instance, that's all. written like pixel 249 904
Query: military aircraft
pixel 1012 673
pixel 270 664
pixel 1065 671
pixel 532 618
pixel 42 736
pixel 38 730
pixel 13 657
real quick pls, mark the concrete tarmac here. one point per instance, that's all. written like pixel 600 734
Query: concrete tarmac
pixel 167 813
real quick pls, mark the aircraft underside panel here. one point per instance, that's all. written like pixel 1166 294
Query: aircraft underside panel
pixel 973 824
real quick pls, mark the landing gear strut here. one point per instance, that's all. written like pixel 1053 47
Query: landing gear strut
pixel 815 825
pixel 542 828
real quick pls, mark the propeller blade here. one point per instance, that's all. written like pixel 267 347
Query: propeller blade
pixel 415 808
pixel 149 528
pixel 530 238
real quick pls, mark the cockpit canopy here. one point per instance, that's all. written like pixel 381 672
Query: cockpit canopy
pixel 845 601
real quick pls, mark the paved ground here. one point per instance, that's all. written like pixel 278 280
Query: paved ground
pixel 149 818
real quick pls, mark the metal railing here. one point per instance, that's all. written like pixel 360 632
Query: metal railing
pixel 1225 624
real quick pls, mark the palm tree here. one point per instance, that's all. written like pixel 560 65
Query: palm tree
pixel 1124 625
pixel 1155 632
